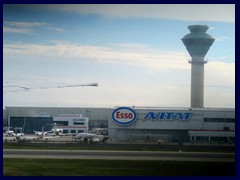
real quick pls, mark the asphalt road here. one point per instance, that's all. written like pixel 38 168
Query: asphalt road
pixel 119 155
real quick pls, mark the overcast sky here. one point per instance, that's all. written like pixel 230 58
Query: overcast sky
pixel 134 52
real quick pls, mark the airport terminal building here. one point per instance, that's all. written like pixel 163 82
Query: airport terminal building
pixel 140 123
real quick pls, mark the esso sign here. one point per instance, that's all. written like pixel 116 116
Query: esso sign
pixel 124 116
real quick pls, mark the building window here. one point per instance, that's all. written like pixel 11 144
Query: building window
pixel 65 131
pixel 202 138
pixel 221 120
pixel 64 123
pixel 73 131
pixel 231 120
pixel 219 139
pixel 78 123
pixel 31 124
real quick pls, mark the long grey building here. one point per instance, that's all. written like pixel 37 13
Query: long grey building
pixel 149 123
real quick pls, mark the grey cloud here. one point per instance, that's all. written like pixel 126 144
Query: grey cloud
pixel 186 12
pixel 24 27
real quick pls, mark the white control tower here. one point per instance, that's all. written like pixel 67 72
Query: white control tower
pixel 197 43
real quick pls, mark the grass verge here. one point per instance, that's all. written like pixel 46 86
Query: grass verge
pixel 78 167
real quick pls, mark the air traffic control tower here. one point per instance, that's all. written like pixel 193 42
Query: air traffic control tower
pixel 197 43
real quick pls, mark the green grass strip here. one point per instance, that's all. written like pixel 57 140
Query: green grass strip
pixel 78 167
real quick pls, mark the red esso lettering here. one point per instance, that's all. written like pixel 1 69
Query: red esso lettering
pixel 124 115
pixel 118 115
pixel 130 116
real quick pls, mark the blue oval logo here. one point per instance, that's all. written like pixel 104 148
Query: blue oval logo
pixel 124 116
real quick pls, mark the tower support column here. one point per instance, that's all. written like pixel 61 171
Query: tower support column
pixel 197 82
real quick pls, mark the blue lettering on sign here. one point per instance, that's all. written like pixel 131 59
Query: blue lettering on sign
pixel 168 116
